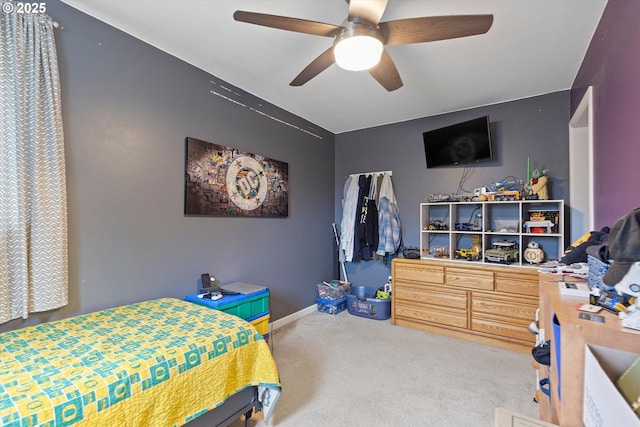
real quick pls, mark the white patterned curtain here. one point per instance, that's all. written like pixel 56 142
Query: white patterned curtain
pixel 33 199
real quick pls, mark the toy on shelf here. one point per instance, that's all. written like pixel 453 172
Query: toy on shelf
pixel 537 185
pixel 471 254
pixel 538 223
pixel 467 226
pixel 505 195
pixel 435 224
pixel 484 194
pixel 439 251
pixel 439 197
pixel 534 254
pixel 503 251
pixel 542 222
pixel 474 253
pixel 507 190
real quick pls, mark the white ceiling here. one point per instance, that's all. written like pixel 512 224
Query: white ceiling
pixel 534 47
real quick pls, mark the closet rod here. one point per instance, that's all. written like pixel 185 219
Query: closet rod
pixel 372 173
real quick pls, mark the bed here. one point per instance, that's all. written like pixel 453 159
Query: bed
pixel 163 362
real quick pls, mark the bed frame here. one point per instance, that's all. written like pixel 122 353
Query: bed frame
pixel 244 402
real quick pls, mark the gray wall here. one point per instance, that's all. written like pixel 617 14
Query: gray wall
pixel 127 108
pixel 536 127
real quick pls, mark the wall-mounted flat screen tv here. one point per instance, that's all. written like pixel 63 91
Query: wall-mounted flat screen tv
pixel 458 144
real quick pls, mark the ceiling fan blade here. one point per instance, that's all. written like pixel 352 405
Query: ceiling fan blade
pixel 286 23
pixel 369 10
pixel 386 73
pixel 432 28
pixel 318 65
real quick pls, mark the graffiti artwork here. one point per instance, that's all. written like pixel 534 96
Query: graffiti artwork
pixel 224 181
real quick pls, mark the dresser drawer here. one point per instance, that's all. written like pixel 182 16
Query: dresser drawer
pixel 514 329
pixel 418 273
pixel 424 294
pixel 470 279
pixel 431 315
pixel 517 283
pixel 512 307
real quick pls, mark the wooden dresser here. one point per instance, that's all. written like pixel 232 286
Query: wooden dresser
pixel 486 303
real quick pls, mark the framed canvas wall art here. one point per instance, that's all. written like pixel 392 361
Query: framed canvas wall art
pixel 224 181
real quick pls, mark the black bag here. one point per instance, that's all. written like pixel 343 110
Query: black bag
pixel 542 353
pixel 411 252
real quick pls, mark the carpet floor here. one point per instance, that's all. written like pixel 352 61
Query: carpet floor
pixel 344 370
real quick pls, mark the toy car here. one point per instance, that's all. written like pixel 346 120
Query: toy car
pixel 439 197
pixel 466 226
pixel 503 251
pixel 507 195
pixel 471 254
pixel 437 225
pixel 506 185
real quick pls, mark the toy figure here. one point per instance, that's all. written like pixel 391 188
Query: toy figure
pixel 538 184
pixel 533 254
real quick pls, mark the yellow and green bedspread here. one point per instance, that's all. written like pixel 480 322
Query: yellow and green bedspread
pixel 155 363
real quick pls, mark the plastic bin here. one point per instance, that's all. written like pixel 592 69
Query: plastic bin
pixel 507 225
pixel 260 322
pixel 335 290
pixel 243 305
pixel 360 302
pixel 332 306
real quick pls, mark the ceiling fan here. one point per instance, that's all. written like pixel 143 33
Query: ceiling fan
pixel 363 33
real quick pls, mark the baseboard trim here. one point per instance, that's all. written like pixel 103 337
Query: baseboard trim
pixel 293 317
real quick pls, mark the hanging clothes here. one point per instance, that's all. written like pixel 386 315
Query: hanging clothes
pixel 370 226
pixel 371 222
pixel 361 213
pixel 367 220
pixel 386 189
pixel 389 228
pixel 347 225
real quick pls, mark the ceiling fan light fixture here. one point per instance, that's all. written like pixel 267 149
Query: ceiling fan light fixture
pixel 358 48
pixel 358 53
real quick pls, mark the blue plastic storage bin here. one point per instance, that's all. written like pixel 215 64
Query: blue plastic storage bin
pixel 360 302
pixel 331 306
pixel 241 305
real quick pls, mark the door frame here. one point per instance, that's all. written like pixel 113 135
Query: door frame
pixel 581 176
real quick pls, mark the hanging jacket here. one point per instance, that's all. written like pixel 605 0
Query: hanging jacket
pixel 386 189
pixel 361 214
pixel 389 228
pixel 347 225
pixel 370 244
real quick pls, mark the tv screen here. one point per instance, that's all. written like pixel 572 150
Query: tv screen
pixel 462 143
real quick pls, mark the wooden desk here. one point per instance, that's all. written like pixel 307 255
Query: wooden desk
pixel 575 333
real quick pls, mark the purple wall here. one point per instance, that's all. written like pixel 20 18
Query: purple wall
pixel 612 66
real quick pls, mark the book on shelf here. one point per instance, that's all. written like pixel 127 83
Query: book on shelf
pixel 574 289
